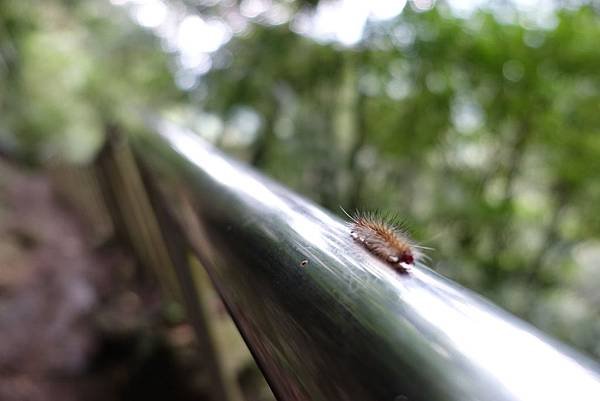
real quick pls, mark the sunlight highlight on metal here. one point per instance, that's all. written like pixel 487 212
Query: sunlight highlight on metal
pixel 480 336
pixel 325 319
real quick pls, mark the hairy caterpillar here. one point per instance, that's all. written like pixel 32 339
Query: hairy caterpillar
pixel 385 238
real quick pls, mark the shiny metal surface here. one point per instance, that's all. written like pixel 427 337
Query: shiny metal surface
pixel 328 321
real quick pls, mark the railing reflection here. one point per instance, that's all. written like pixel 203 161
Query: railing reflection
pixel 324 319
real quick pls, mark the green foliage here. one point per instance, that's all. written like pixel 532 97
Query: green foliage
pixel 484 134
pixel 69 69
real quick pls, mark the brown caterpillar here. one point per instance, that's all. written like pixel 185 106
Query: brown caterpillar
pixel 385 239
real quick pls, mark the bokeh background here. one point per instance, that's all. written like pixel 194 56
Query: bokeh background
pixel 476 121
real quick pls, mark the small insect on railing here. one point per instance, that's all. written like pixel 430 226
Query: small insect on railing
pixel 327 320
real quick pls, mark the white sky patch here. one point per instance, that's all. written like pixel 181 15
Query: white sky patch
pixel 197 35
pixel 151 13
pixel 193 38
pixel 386 9
pixel 342 21
pixel 253 8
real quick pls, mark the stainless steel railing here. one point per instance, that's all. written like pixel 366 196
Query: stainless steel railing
pixel 327 321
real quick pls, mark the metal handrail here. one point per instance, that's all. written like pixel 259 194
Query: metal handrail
pixel 326 320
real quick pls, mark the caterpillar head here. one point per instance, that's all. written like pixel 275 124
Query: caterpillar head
pixel 402 259
pixel 407 257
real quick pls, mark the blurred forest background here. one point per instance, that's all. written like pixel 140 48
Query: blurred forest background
pixel 476 121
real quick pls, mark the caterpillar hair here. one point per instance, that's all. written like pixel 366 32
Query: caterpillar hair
pixel 385 238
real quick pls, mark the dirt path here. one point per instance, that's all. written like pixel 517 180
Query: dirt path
pixel 70 329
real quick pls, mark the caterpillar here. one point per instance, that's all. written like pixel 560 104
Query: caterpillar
pixel 386 239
